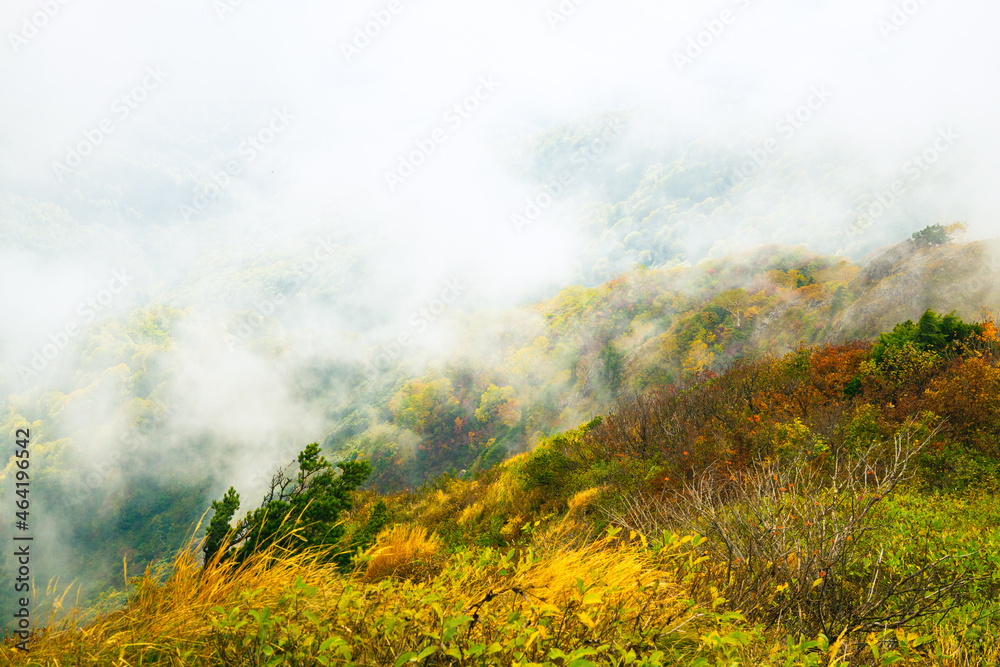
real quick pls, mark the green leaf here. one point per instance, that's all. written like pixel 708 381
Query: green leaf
pixel 426 652
pixel 405 658
pixel 475 650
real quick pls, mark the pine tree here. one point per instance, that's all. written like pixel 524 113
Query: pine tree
pixel 306 506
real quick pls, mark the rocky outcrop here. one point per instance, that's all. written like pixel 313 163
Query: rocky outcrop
pixel 881 264
pixel 904 280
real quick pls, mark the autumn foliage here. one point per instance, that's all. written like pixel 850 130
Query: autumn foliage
pixel 744 517
pixel 819 400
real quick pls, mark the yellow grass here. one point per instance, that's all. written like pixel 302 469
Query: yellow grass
pixel 182 619
pixel 168 621
pixel 471 512
pixel 401 551
pixel 584 498
pixel 569 590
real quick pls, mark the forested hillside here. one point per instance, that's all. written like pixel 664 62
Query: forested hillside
pixel 510 380
pixel 499 333
pixel 832 505
pixel 647 196
pixel 567 359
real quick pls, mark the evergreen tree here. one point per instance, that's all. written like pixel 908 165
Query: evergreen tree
pixel 931 235
pixel 929 334
pixel 219 527
pixel 300 511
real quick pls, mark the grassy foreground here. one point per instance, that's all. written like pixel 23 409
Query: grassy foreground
pixel 567 598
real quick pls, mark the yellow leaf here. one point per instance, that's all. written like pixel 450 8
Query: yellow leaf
pixel 585 619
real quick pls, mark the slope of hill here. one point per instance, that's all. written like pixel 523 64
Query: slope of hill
pixel 834 505
pixel 573 357
pixel 908 278
pixel 509 381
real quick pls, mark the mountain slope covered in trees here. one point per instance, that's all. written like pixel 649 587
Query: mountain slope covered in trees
pixel 511 380
pixel 832 505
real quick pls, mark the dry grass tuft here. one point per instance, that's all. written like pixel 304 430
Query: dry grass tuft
pixel 583 499
pixel 403 551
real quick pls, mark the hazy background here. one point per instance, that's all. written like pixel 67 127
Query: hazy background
pixel 228 68
pixel 337 263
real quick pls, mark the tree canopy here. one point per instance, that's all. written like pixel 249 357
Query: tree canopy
pixel 932 333
pixel 931 235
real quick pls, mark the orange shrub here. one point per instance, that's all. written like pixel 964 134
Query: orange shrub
pixel 968 394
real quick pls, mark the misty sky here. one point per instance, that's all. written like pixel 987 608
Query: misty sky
pixel 179 141
pixel 183 85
